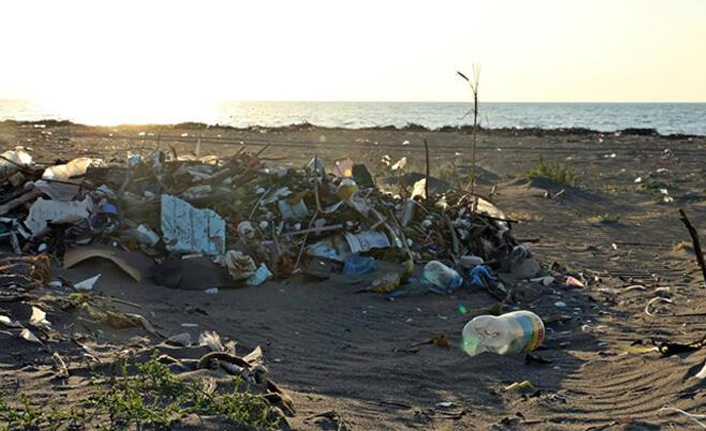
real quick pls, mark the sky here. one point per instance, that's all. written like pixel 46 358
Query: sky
pixel 171 53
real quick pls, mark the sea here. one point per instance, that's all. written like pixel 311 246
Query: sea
pixel 666 118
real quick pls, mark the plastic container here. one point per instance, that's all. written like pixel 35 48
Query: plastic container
pixel 260 276
pixel 440 278
pixel 407 212
pixel 515 332
pixel 146 235
pixel 470 261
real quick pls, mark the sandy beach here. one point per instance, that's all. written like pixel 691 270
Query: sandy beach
pixel 333 349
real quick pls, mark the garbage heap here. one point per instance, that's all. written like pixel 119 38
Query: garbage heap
pixel 205 222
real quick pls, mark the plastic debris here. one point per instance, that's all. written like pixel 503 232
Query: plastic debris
pixel 39 318
pixel 419 191
pixel 340 247
pixel 43 212
pixel 470 261
pixel 511 333
pixel 358 265
pixel 69 176
pixel 399 165
pixel 573 282
pixel 6 321
pixel 88 284
pixel 296 211
pixel 481 276
pixel 146 235
pixel 260 276
pixel 440 278
pixel 186 229
pixel 239 265
pixel 12 160
pixel 27 335
pixel 246 229
pixel 278 218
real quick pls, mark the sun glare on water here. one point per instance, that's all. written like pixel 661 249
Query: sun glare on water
pixel 112 111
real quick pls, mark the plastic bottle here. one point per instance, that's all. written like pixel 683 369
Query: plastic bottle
pixel 440 277
pixel 515 332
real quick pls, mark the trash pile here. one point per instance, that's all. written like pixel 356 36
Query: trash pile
pixel 205 223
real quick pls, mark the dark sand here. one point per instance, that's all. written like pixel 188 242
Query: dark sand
pixel 334 349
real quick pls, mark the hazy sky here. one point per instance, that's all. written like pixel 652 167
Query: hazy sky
pixel 530 50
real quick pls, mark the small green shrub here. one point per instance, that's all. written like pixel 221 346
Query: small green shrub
pixel 555 171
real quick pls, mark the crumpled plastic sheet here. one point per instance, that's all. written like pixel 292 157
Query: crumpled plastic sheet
pixel 44 211
pixel 480 276
pixel 186 229
pixel 71 172
pixel 11 160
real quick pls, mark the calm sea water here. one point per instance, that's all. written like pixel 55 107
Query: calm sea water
pixel 667 118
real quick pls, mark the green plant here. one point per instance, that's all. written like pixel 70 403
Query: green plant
pixel 607 218
pixel 150 398
pixel 655 186
pixel 553 171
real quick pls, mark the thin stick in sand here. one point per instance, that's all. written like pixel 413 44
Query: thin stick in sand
pixel 695 240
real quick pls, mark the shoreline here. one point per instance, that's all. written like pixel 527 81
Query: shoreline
pixel 409 127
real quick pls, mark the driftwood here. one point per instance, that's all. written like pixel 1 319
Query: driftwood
pixel 695 240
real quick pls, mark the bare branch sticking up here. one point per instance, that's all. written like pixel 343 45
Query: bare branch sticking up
pixel 695 240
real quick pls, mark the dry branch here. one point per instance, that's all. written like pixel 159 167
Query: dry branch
pixel 695 240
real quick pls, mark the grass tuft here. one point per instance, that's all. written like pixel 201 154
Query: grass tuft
pixel 556 172
pixel 151 399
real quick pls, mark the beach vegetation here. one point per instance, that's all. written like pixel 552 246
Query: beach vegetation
pixel 150 398
pixel 553 171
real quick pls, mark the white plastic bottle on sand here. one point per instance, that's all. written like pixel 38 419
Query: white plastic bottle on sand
pixel 515 332
pixel 441 276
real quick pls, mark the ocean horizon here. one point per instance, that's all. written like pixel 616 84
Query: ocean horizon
pixel 666 118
